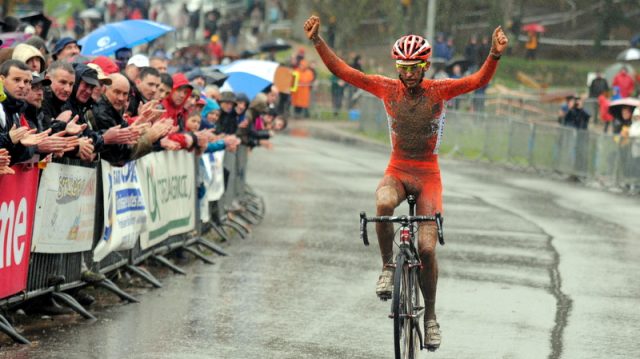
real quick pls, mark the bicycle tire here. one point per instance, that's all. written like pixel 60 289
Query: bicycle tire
pixel 401 324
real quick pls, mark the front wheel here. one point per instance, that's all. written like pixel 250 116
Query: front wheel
pixel 405 335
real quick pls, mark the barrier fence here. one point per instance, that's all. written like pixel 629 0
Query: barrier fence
pixel 612 161
pixel 65 224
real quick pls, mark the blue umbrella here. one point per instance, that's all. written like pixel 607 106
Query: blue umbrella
pixel 108 38
pixel 249 76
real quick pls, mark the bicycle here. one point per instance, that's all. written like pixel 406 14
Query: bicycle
pixel 406 304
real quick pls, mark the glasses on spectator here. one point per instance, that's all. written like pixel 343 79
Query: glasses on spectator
pixel 411 68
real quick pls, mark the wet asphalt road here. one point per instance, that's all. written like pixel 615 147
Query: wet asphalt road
pixel 532 268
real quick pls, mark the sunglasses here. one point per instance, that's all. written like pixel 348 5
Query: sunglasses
pixel 411 68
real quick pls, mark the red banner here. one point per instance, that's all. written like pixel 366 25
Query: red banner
pixel 17 208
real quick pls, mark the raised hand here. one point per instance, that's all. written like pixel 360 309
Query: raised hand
pixel 18 133
pixel 34 139
pixel 117 135
pixel 169 145
pixel 64 116
pixel 311 27
pixel 5 157
pixel 499 41
pixel 54 143
pixel 231 143
pixel 86 149
pixel 73 128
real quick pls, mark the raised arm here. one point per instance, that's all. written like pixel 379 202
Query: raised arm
pixel 481 78
pixel 369 83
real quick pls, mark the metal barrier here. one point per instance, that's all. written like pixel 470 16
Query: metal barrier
pixel 54 273
pixel 612 161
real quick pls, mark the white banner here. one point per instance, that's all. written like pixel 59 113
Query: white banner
pixel 65 209
pixel 216 186
pixel 168 187
pixel 124 209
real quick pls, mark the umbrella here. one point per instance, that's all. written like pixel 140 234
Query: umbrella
pixel 275 45
pixel 10 39
pixel 629 54
pixel 615 107
pixel 91 13
pixel 254 76
pixel 108 38
pixel 38 18
pixel 464 64
pixel 211 76
pixel 611 71
pixel 534 27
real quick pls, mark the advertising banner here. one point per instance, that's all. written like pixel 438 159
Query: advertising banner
pixel 169 191
pixel 17 206
pixel 125 215
pixel 65 209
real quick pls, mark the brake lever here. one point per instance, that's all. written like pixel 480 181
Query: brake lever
pixel 363 228
pixel 440 228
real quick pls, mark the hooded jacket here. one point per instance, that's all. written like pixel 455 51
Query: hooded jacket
pixel 210 105
pixel 257 107
pixel 177 111
pixel 24 53
pixel 82 109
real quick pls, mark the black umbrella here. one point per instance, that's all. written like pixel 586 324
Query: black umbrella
pixel 275 45
pixel 38 18
pixel 212 76
pixel 247 54
pixel 464 64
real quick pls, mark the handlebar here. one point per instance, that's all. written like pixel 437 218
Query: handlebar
pixel 406 220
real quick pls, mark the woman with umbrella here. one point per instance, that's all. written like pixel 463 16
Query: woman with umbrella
pixel 622 110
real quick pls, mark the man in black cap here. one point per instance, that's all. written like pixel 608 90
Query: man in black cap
pixel 65 49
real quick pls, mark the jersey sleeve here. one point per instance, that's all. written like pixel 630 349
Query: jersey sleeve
pixel 374 84
pixel 451 88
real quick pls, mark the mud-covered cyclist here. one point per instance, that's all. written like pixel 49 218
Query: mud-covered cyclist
pixel 415 111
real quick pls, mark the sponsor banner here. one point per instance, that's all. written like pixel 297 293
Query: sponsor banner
pixel 216 185
pixel 169 191
pixel 65 209
pixel 17 206
pixel 125 215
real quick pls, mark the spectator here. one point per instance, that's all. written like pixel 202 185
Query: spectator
pixel 598 86
pixel 440 48
pixel 134 64
pixel 30 56
pixel 483 50
pixel 273 97
pixel 17 133
pixel 39 43
pixel 145 87
pixel 471 53
pixel 228 116
pixel 65 49
pixel 565 107
pixel 63 77
pixel 106 64
pixel 175 101
pixel 210 115
pixel 211 23
pixel 622 119
pixel 104 81
pixel 166 84
pixel 577 117
pixel 242 105
pixel 301 97
pixel 531 45
pixel 36 97
pixel 212 92
pixel 123 55
pixel 624 82
pixel 603 104
pixel 215 49
pixel 337 93
pixel 159 63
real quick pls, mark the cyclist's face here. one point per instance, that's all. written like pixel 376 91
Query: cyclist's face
pixel 411 75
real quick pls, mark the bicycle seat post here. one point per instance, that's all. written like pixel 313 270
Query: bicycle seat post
pixel 412 204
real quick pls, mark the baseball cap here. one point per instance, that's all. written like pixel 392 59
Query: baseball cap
pixel 104 79
pixel 39 79
pixel 106 64
pixel 87 74
pixel 138 61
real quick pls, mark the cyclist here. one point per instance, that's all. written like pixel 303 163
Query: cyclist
pixel 415 112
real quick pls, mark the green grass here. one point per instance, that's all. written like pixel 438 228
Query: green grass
pixel 62 9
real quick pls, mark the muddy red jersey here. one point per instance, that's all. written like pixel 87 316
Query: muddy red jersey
pixel 416 116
